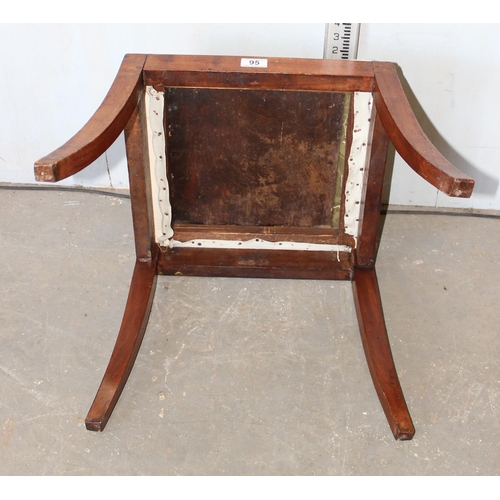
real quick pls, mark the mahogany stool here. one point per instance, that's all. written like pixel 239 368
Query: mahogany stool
pixel 269 168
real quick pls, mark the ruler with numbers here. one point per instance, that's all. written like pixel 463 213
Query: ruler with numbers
pixel 341 41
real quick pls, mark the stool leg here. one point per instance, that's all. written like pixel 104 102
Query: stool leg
pixel 378 352
pixel 135 319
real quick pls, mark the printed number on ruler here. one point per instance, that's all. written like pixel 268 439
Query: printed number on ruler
pixel 341 41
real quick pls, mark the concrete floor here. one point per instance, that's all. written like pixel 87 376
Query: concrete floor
pixel 242 377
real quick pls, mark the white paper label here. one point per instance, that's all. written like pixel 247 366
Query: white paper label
pixel 253 63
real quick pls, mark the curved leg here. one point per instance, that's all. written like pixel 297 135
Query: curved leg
pixel 378 352
pixel 135 320
pixel 102 129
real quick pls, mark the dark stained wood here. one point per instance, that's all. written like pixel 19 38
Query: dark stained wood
pixel 371 204
pixel 187 232
pixel 287 74
pixel 253 157
pixel 409 139
pixel 140 187
pixel 252 154
pixel 101 130
pixel 135 320
pixel 378 353
pixel 249 263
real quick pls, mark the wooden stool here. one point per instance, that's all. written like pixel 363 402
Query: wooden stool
pixel 269 168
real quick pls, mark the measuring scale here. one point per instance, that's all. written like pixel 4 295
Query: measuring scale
pixel 341 41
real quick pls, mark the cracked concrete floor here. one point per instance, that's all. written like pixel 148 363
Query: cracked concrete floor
pixel 242 376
